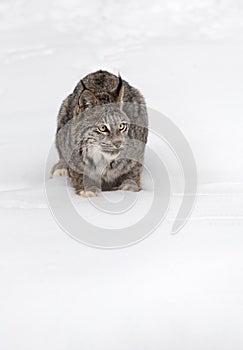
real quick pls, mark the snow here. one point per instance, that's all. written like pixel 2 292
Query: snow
pixel 181 291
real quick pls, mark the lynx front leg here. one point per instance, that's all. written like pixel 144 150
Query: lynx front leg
pixel 81 187
pixel 132 180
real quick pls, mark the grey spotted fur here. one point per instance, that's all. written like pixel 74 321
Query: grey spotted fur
pixel 97 160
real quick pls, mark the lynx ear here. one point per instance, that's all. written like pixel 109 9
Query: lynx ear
pixel 87 99
pixel 119 91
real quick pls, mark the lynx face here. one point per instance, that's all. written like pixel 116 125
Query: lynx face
pixel 106 137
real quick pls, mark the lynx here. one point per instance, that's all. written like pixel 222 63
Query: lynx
pixel 102 131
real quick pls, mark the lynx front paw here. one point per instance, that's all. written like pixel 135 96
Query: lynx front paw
pixel 59 169
pixel 60 172
pixel 89 193
pixel 129 185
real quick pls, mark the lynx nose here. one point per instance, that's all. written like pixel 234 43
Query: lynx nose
pixel 117 143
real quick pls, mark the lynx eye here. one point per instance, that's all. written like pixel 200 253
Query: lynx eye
pixel 103 128
pixel 122 126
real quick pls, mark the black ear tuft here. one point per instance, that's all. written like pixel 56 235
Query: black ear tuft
pixel 120 83
pixel 84 87
pixel 119 91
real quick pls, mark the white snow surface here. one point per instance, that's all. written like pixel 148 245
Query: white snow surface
pixel 167 292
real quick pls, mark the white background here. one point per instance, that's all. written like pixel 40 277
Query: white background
pixel 167 292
